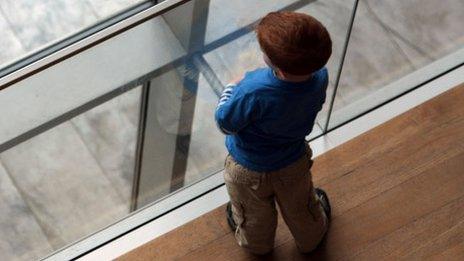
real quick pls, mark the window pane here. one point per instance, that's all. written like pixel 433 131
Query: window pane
pixel 238 55
pixel 395 46
pixel 70 181
pixel 28 25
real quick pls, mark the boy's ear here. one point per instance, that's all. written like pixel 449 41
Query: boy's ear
pixel 268 62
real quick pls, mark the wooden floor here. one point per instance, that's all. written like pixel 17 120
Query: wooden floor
pixel 397 192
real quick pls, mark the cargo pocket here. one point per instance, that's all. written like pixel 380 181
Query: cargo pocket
pixel 237 174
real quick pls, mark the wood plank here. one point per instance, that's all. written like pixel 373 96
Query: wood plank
pixel 399 164
pixel 353 231
pixel 447 246
pixel 456 253
pixel 416 234
pixel 214 225
pixel 186 238
pixel 226 248
pixel 387 136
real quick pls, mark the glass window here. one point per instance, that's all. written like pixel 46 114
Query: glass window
pixel 69 181
pixel 395 46
pixel 240 51
pixel 29 25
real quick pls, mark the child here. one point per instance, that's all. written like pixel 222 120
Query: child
pixel 266 117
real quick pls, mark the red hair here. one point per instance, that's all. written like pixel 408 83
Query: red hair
pixel 295 43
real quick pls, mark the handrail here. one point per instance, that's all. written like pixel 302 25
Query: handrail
pixel 88 42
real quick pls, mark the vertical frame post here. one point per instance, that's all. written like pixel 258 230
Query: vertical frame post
pixel 340 68
pixel 140 143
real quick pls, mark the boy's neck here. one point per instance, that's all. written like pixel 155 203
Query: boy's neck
pixel 290 77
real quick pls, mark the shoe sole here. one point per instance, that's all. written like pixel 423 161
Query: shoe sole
pixel 324 202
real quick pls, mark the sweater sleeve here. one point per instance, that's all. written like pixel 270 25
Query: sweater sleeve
pixel 235 110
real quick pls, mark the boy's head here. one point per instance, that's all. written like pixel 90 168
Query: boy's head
pixel 294 43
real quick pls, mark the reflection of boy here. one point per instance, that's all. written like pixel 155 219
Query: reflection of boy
pixel 266 117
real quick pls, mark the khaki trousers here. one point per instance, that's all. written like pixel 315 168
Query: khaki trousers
pixel 253 196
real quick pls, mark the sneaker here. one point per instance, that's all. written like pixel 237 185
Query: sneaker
pixel 324 202
pixel 230 219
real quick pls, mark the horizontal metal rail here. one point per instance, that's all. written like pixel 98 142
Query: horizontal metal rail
pixel 72 46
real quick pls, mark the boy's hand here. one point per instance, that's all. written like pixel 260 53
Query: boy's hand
pixel 226 93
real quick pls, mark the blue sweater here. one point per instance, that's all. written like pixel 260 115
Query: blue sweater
pixel 267 119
